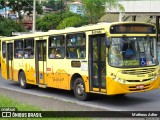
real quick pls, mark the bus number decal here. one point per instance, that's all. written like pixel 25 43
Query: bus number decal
pixel 96 31
pixel 48 69
pixel 76 64
pixel 151 74
pixel 40 38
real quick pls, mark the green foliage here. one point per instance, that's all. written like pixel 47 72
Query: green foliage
pixel 95 9
pixel 73 21
pixel 7 26
pixel 39 8
pixel 67 14
pixel 19 5
pixel 50 21
pixel 54 4
pixel 7 102
pixel 114 4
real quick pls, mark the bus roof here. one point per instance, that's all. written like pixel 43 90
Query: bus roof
pixel 103 25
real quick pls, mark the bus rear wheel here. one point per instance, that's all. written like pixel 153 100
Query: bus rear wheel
pixel 79 90
pixel 22 80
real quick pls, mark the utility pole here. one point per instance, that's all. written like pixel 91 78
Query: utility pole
pixel 5 9
pixel 34 17
pixel 61 9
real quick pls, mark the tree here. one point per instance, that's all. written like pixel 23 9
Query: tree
pixel 49 21
pixel 95 9
pixel 73 21
pixel 2 4
pixel 19 5
pixel 7 26
pixel 54 4
pixel 67 14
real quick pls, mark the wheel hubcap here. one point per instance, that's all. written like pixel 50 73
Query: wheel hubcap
pixel 22 82
pixel 80 89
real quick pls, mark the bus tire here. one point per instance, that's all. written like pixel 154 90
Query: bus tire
pixel 79 90
pixel 22 80
pixel 120 95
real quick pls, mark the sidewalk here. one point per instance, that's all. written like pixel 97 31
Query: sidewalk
pixel 46 104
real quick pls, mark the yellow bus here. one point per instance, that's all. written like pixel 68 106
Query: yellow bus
pixel 105 58
pixel 0 51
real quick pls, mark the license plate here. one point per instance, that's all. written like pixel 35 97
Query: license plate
pixel 140 87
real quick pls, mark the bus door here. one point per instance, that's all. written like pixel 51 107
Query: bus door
pixel 9 61
pixel 97 62
pixel 40 63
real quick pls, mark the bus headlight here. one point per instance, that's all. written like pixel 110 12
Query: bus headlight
pixel 120 80
pixel 113 76
pixel 117 79
pixel 154 78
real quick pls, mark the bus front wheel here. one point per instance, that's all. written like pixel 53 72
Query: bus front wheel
pixel 22 80
pixel 79 90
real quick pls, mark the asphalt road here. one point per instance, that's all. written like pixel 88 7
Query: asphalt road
pixel 146 101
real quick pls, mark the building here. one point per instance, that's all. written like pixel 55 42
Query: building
pixel 5 12
pixel 28 21
pixel 76 7
pixel 46 10
pixel 135 10
pixel 40 1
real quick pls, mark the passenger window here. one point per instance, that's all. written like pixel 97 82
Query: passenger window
pixel 76 46
pixel 4 49
pixel 18 48
pixel 29 48
pixel 56 47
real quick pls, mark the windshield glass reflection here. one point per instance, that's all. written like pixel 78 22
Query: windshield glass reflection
pixel 133 51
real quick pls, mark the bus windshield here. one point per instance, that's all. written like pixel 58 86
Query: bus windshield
pixel 132 51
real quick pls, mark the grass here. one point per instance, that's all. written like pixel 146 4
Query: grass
pixel 8 102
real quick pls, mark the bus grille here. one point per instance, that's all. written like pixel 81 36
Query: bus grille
pixel 144 80
pixel 138 71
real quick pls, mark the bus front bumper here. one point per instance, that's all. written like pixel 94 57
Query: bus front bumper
pixel 113 87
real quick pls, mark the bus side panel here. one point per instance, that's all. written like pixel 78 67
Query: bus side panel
pixel 18 64
pixel 11 69
pixel 30 71
pixel 82 70
pixel 27 66
pixel 0 58
pixel 4 69
pixel 57 74
pixel 86 82
pixel 15 75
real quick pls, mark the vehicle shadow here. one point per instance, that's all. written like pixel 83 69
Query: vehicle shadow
pixel 117 101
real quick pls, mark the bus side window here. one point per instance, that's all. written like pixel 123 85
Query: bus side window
pixel 76 46
pixel 56 47
pixel 81 40
pixel 29 48
pixel 72 53
pixel 81 53
pixel 4 49
pixel 18 49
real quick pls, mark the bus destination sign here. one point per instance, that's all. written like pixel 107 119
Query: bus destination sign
pixel 132 28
